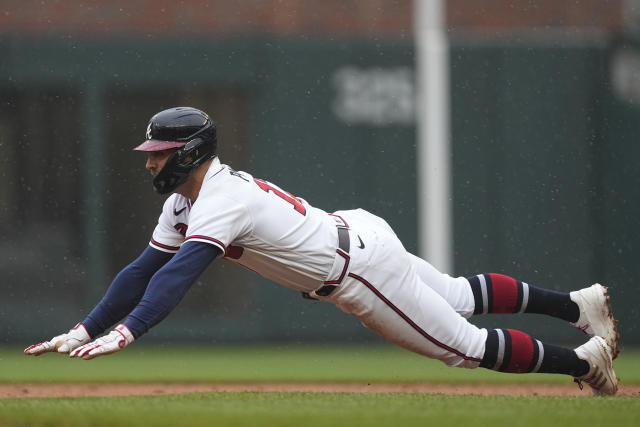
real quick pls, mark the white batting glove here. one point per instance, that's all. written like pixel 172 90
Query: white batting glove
pixel 118 339
pixel 62 343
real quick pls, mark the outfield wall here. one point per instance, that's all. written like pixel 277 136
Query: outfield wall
pixel 545 182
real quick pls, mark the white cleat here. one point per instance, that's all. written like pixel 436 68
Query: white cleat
pixel 596 316
pixel 601 377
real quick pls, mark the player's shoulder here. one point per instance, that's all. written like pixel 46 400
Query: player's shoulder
pixel 224 190
pixel 175 204
pixel 239 177
pixel 224 181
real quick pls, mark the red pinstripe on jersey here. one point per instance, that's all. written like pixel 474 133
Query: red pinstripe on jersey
pixel 163 246
pixel 210 239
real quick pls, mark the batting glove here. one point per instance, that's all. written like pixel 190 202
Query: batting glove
pixel 118 339
pixel 62 343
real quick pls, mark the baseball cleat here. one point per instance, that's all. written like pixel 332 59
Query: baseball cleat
pixel 601 377
pixel 596 316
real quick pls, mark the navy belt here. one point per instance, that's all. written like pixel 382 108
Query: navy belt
pixel 344 244
pixel 344 241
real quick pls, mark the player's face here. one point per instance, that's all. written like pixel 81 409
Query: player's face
pixel 156 160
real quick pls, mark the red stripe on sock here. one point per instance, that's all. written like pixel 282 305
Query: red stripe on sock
pixel 505 293
pixel 521 352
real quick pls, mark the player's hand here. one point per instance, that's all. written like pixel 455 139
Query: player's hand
pixel 62 343
pixel 118 339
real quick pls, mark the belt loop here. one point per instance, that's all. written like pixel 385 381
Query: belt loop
pixel 344 241
pixel 344 245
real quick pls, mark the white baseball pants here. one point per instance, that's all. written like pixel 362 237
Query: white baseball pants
pixel 405 299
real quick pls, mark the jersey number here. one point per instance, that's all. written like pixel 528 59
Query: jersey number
pixel 266 186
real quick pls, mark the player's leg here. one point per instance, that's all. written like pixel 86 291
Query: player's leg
pixel 508 350
pixel 587 309
pixel 497 293
pixel 455 290
pixel 384 290
pixel 412 315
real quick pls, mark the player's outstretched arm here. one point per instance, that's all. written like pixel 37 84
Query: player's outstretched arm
pixel 165 290
pixel 125 291
pixel 122 296
pixel 64 343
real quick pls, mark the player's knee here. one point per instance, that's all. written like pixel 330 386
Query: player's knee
pixel 459 362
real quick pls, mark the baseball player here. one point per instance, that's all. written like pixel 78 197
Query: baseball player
pixel 350 258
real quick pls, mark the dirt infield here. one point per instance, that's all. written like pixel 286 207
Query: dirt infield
pixel 85 390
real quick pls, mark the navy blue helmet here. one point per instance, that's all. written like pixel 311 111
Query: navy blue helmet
pixel 189 130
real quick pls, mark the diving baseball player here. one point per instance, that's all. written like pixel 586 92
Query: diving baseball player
pixel 350 258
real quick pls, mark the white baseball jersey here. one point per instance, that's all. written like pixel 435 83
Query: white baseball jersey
pixel 265 229
pixel 255 224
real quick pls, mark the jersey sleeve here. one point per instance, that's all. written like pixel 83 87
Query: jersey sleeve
pixel 166 237
pixel 218 220
pixel 125 291
pixel 169 285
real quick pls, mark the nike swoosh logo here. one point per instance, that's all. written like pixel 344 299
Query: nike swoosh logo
pixel 176 213
pixel 361 245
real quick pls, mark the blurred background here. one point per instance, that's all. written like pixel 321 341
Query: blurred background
pixel 318 97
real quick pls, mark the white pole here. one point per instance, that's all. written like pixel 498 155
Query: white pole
pixel 432 130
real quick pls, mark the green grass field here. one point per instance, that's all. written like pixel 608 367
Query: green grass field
pixel 321 409
pixel 295 363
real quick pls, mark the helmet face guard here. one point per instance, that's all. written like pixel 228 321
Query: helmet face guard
pixel 189 130
pixel 181 164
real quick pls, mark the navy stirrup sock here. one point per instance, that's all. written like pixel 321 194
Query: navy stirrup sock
pixel 497 293
pixel 509 350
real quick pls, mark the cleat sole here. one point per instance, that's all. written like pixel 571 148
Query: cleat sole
pixel 614 345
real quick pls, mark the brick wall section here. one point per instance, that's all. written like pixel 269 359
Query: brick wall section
pixel 290 17
pixel 99 17
pixel 489 15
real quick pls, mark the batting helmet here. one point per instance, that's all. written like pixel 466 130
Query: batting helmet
pixel 189 130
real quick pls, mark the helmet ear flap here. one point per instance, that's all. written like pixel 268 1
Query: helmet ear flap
pixel 181 164
pixel 194 143
pixel 190 153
